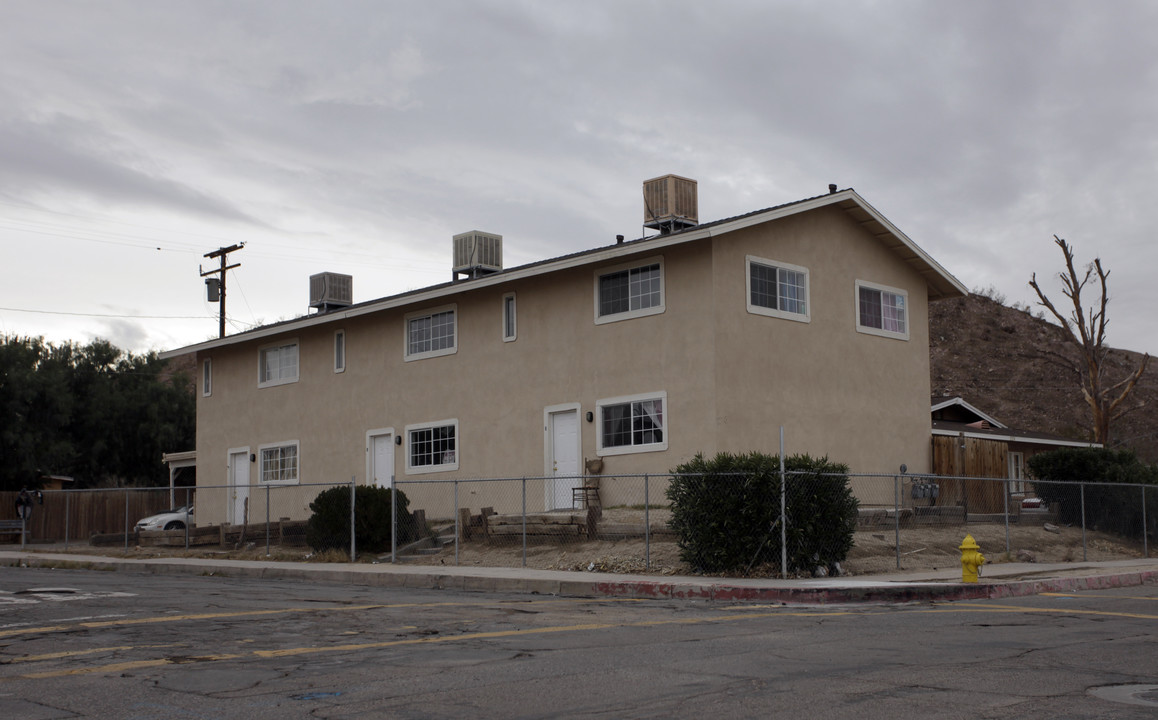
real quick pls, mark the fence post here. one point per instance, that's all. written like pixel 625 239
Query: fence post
pixel 897 517
pixel 189 518
pixel 1006 499
pixel 266 521
pixel 1083 488
pixel 353 544
pixel 126 520
pixel 456 523
pixel 524 521
pixel 66 509
pixel 646 523
pixel 394 520
pixel 783 512
pixel 1145 527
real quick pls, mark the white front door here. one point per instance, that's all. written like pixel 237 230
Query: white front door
pixel 238 486
pixel 382 460
pixel 563 456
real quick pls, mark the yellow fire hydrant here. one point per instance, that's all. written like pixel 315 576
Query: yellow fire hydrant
pixel 971 559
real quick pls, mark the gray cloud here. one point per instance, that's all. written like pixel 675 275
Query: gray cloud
pixel 324 132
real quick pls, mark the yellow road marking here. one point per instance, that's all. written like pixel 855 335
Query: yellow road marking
pixel 426 640
pixel 258 613
pixel 970 607
pixel 1100 597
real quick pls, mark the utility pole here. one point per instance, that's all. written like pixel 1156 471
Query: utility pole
pixel 215 287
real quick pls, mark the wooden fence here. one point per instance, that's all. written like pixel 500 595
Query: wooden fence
pixel 80 514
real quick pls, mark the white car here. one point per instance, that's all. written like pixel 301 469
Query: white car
pixel 169 520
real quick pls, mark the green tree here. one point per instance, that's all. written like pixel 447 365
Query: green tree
pixel 89 411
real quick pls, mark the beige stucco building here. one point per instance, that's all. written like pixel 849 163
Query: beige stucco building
pixel 812 316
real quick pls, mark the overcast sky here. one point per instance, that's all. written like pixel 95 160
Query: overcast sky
pixel 358 137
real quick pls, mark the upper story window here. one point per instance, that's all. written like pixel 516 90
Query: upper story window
pixel 777 289
pixel 279 463
pixel 340 351
pixel 629 291
pixel 510 320
pixel 882 310
pixel 432 447
pixel 206 377
pixel 635 423
pixel 278 364
pixel 430 333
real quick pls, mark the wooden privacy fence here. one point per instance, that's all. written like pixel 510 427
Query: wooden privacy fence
pixel 80 514
pixel 972 458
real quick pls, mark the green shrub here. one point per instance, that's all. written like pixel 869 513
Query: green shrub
pixel 329 526
pixel 1115 509
pixel 726 512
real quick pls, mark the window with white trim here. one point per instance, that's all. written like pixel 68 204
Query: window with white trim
pixel 432 447
pixel 882 310
pixel 510 320
pixel 629 291
pixel 431 333
pixel 777 289
pixel 340 351
pixel 206 377
pixel 277 364
pixel 630 424
pixel 1017 472
pixel 279 463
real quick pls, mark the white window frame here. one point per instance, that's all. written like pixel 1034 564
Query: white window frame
pixel 777 312
pixel 1016 462
pixel 510 322
pixel 880 332
pixel 261 453
pixel 339 351
pixel 601 405
pixel 429 313
pixel 639 312
pixel 207 377
pixel 279 346
pixel 446 466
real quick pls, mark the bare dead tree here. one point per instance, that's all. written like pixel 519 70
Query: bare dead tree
pixel 1086 331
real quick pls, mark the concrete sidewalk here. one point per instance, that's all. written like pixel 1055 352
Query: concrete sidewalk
pixel 998 581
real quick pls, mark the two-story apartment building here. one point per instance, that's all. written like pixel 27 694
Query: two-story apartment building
pixel 811 315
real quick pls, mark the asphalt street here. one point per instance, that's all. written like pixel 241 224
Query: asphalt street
pixel 78 643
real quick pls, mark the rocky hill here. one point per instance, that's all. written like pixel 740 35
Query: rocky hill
pixel 1003 360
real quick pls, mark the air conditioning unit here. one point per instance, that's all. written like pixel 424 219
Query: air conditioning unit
pixel 477 253
pixel 330 291
pixel 670 203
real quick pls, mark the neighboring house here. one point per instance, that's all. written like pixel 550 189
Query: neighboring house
pixel 969 443
pixel 704 338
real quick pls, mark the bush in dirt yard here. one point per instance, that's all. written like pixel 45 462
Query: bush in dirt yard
pixel 726 512
pixel 1116 509
pixel 329 526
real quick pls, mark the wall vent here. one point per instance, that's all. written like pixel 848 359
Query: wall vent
pixel 477 253
pixel 330 291
pixel 670 203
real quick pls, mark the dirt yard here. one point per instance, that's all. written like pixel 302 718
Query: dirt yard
pixel 874 551
pixel 922 548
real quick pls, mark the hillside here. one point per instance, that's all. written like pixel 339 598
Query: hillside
pixel 998 359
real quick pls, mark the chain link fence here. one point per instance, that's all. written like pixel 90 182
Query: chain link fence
pixel 621 523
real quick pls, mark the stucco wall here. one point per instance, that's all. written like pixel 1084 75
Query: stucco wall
pixel 731 378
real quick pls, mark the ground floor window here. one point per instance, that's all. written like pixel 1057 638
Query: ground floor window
pixel 636 423
pixel 432 447
pixel 1017 472
pixel 279 463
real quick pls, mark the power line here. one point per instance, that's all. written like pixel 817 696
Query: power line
pixel 106 315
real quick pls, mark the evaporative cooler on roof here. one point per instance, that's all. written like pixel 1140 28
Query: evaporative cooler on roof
pixel 477 253
pixel 670 203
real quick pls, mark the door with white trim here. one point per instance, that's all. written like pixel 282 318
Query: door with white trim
pixel 563 457
pixel 238 486
pixel 381 471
